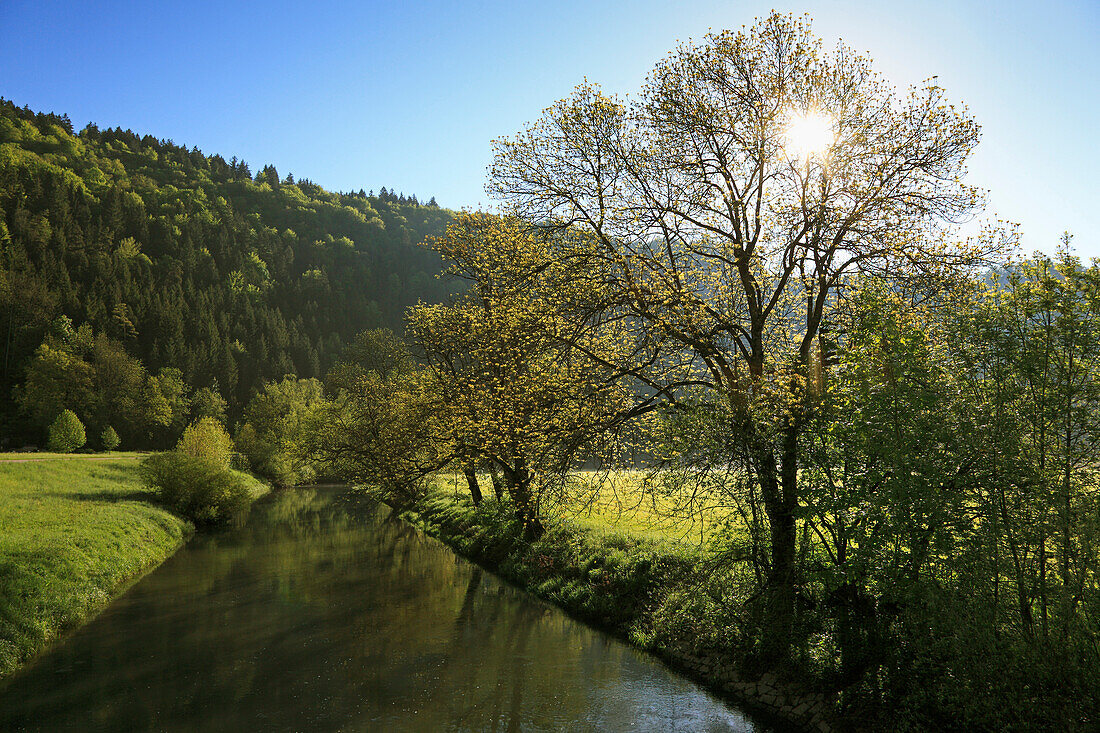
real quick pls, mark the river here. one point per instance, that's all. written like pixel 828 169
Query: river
pixel 327 613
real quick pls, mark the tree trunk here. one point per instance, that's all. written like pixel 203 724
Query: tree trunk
pixel 475 487
pixel 1066 598
pixel 855 621
pixel 1044 627
pixel 519 488
pixel 1027 620
pixel 779 624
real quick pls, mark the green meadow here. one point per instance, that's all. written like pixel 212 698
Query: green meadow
pixel 74 532
pixel 630 503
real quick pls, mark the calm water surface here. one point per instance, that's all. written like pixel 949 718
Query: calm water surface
pixel 327 613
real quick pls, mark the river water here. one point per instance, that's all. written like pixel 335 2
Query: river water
pixel 327 613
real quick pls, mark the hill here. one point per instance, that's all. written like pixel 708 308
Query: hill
pixel 186 261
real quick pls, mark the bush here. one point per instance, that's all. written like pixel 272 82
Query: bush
pixel 109 438
pixel 202 490
pixel 272 427
pixel 265 457
pixel 208 440
pixel 66 433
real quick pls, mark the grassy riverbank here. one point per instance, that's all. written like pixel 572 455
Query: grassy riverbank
pixel 650 583
pixel 73 534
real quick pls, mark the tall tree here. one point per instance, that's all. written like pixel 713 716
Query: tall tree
pixel 731 200
pixel 517 388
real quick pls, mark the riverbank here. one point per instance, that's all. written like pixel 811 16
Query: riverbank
pixel 73 535
pixel 653 592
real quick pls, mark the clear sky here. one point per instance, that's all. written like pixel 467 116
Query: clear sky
pixel 408 95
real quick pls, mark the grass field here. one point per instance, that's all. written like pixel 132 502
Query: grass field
pixel 73 533
pixel 43 456
pixel 629 503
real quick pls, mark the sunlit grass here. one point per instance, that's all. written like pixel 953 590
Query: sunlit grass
pixel 631 503
pixel 39 456
pixel 72 532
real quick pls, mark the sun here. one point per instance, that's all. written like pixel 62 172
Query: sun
pixel 809 134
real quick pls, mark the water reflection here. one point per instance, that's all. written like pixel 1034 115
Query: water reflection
pixel 328 613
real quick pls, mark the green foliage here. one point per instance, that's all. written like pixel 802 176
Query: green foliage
pixel 109 439
pixel 381 432
pixel 208 402
pixel 172 395
pixel 200 489
pixel 273 425
pixel 523 383
pixel 66 433
pixel 377 350
pixel 56 377
pixel 104 384
pixel 191 264
pixel 207 439
pixel 700 617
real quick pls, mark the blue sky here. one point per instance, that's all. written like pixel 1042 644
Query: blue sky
pixel 409 95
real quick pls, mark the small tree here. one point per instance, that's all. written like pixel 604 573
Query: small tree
pixel 207 439
pixel 208 402
pixel 109 438
pixel 195 479
pixel 523 375
pixel 66 433
pixel 196 487
pixel 272 424
pixel 380 432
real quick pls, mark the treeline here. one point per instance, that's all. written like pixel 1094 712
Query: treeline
pixel 188 262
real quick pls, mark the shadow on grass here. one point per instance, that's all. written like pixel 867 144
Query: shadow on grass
pixel 106 497
pixel 116 470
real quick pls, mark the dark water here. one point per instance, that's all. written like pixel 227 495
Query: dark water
pixel 326 613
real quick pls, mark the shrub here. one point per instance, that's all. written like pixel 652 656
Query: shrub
pixel 109 438
pixel 272 428
pixel 202 490
pixel 66 433
pixel 265 456
pixel 208 440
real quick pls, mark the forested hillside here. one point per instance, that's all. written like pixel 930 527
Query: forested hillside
pixel 125 258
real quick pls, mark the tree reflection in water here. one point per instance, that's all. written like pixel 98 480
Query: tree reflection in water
pixel 327 612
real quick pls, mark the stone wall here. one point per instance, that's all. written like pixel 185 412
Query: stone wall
pixel 806 711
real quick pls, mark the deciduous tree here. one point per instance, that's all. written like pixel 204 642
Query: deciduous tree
pixel 722 235
pixel 518 389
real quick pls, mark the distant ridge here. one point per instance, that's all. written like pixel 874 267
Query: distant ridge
pixel 191 261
